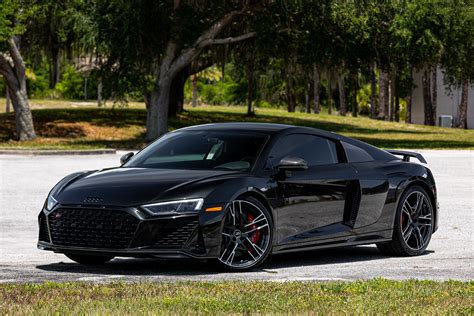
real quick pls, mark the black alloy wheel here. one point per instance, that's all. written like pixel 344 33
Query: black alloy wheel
pixel 246 236
pixel 413 224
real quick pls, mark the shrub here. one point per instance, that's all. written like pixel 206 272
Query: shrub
pixel 71 85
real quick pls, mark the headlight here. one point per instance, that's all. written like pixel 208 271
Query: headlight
pixel 50 202
pixel 181 206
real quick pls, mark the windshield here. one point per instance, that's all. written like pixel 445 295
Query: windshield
pixel 204 150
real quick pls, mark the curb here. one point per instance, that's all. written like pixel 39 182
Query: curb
pixel 45 152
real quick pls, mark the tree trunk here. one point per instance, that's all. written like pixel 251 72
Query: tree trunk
pixel 290 95
pixel 176 104
pixel 16 84
pixel 157 119
pixel 55 67
pixel 383 95
pixel 194 99
pixel 7 101
pixel 434 93
pixel 373 92
pixel 410 99
pixel 23 118
pixel 85 87
pixel 249 91
pixel 397 108
pixel 355 105
pixel 99 93
pixel 316 89
pixel 428 106
pixel 462 109
pixel 306 98
pixel 342 95
pixel 329 91
pixel 392 94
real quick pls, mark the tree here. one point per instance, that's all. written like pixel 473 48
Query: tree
pixel 419 37
pixel 458 54
pixel 150 43
pixel 12 65
pixel 54 31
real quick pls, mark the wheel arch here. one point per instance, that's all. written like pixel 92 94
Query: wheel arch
pixel 413 182
pixel 261 198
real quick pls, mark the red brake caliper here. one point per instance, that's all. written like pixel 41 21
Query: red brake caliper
pixel 255 238
pixel 404 219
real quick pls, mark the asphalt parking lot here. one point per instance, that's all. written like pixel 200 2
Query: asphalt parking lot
pixel 26 180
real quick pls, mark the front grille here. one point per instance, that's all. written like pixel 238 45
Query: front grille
pixel 43 228
pixel 95 228
pixel 174 233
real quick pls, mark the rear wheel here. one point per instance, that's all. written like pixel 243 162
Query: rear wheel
pixel 246 236
pixel 413 224
pixel 89 259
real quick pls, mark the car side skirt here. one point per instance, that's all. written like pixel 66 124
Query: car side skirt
pixel 362 239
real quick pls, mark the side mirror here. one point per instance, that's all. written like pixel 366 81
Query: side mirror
pixel 292 164
pixel 126 158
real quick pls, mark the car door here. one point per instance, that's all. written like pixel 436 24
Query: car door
pixel 313 199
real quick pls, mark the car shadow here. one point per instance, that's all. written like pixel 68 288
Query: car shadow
pixel 191 267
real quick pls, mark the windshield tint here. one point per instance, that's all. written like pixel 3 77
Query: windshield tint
pixel 201 150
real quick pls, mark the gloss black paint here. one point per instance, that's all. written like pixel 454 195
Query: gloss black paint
pixel 310 208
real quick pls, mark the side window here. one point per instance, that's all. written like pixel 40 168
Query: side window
pixel 315 150
pixel 356 154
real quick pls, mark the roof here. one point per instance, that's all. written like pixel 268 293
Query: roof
pixel 262 127
pixel 269 128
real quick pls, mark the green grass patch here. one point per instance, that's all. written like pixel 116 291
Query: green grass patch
pixel 373 296
pixel 88 127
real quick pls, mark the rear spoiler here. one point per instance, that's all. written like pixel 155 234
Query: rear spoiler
pixel 407 154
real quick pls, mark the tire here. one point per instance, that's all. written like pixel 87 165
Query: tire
pixel 89 259
pixel 411 231
pixel 244 248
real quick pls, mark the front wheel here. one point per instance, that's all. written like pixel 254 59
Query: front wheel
pixel 88 259
pixel 246 236
pixel 413 224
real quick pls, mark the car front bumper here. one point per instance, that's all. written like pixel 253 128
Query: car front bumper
pixel 128 232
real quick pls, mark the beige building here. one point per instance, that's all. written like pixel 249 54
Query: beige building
pixel 447 102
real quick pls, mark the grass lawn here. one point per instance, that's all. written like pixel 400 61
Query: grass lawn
pixel 79 125
pixel 374 296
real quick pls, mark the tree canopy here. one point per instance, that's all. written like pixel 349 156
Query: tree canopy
pixel 308 53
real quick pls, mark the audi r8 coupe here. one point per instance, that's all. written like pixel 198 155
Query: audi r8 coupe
pixel 238 192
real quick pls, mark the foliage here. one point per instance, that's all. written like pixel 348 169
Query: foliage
pixel 363 99
pixel 38 82
pixel 215 90
pixel 124 43
pixel 72 84
pixel 8 10
pixel 458 59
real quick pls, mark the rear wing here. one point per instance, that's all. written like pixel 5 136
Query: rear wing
pixel 407 155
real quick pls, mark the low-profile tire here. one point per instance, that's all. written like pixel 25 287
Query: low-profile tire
pixel 89 259
pixel 247 235
pixel 413 225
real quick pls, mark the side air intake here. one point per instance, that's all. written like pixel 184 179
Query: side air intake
pixel 351 207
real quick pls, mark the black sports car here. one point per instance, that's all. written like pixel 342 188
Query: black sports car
pixel 238 192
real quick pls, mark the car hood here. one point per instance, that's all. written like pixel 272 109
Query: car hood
pixel 133 186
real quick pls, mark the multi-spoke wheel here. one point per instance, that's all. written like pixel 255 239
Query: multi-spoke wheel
pixel 413 224
pixel 246 235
